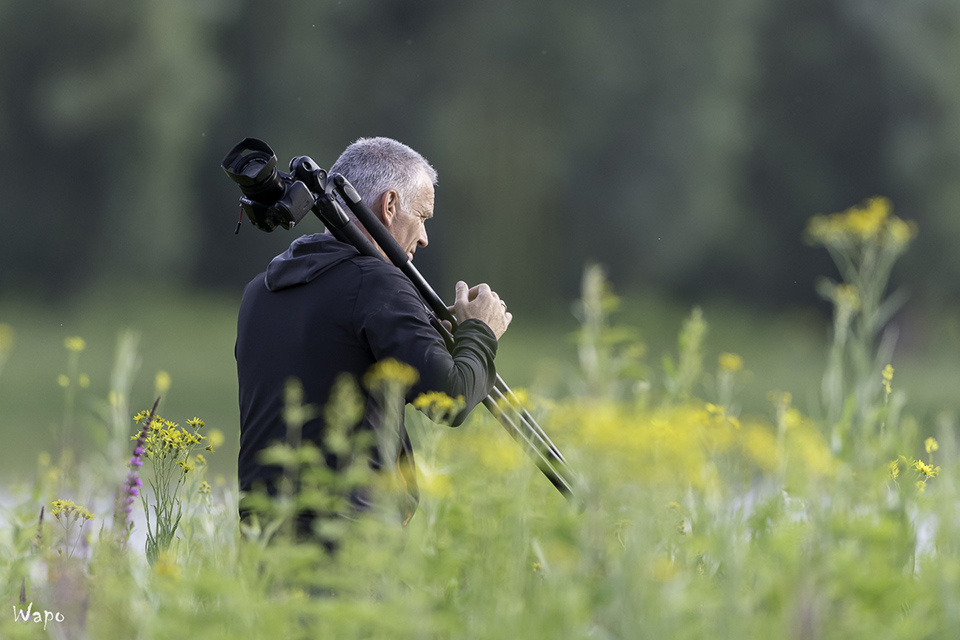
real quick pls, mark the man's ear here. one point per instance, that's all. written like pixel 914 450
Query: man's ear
pixel 389 207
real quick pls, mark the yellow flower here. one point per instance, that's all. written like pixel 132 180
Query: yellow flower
pixel 216 437
pixel 166 565
pixel 63 380
pixel 822 229
pixel 196 423
pixel 522 396
pixel 847 296
pixel 162 382
pixel 75 343
pixel 867 222
pixel 761 446
pixel 436 401
pixel 792 418
pixel 887 374
pixel 391 371
pixel 167 438
pixel 872 222
pixel 930 445
pixel 84 380
pixel 432 483
pixel 516 401
pixel 730 362
pixel 900 232
pixel 204 489
pixel 438 405
pixel 927 470
pixel 6 337
pixel 67 508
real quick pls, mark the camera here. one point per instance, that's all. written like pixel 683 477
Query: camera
pixel 271 197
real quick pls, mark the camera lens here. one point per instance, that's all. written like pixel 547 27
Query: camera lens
pixel 251 167
pixel 252 164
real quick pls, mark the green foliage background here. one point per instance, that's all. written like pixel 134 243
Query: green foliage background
pixel 682 143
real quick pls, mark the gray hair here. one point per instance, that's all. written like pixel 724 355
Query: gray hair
pixel 375 165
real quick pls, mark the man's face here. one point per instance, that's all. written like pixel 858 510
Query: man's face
pixel 407 227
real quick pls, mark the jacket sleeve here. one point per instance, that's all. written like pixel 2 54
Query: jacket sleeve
pixel 391 318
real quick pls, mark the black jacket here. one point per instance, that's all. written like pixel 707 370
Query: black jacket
pixel 322 309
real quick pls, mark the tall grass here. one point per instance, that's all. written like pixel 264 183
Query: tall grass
pixel 693 518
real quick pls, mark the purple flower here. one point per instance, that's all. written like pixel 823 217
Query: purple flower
pixel 132 484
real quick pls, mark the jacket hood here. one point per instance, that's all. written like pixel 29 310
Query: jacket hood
pixel 305 259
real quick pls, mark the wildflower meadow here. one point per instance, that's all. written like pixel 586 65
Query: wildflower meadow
pixel 692 518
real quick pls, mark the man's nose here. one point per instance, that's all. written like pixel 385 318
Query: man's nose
pixel 423 237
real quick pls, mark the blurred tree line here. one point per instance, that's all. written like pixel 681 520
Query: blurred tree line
pixel 681 143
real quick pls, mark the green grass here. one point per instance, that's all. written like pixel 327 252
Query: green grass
pixel 704 505
pixel 191 336
pixel 694 519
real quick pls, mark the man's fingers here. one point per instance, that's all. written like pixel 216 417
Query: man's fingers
pixel 446 325
pixel 484 304
pixel 461 293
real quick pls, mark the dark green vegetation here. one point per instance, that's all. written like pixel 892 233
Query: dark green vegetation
pixel 682 143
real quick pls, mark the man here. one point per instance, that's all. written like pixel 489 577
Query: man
pixel 321 309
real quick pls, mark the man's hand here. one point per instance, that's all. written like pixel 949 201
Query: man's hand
pixel 483 304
